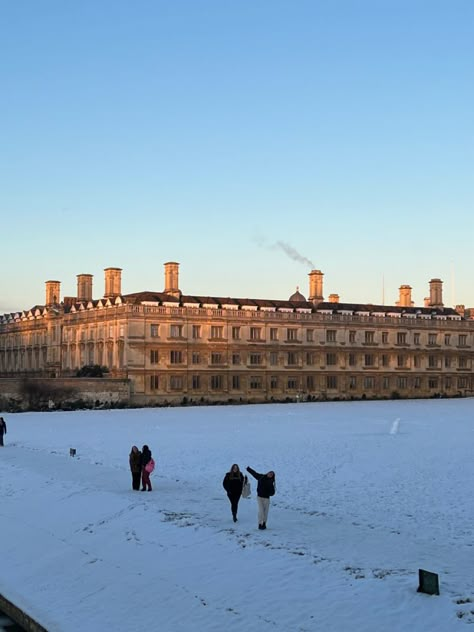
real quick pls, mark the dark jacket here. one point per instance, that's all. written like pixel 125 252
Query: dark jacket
pixel 233 483
pixel 3 426
pixel 265 485
pixel 136 461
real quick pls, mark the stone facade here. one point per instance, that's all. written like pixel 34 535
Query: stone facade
pixel 174 348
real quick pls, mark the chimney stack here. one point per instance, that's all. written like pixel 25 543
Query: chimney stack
pixel 172 279
pixel 316 286
pixel 436 293
pixel 53 290
pixel 113 282
pixel 84 288
pixel 405 296
pixel 334 298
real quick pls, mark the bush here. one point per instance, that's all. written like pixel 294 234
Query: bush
pixel 92 370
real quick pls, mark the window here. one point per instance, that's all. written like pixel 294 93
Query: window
pixel 196 382
pixel 447 362
pixel 433 382
pixel 176 357
pixel 292 358
pixel 401 361
pixel 273 333
pixel 273 382
pixel 216 382
pixel 462 382
pixel 176 382
pixel 432 362
pixel 417 362
pixel 448 382
pixel 368 359
pixel 385 360
pixel 196 357
pixel 369 382
pixel 236 358
pixel 309 335
pixel 352 359
pixel 462 340
pixel 235 333
pixel 352 382
pixel 216 358
pixel 432 338
pixel 236 382
pixel 154 382
pixel 255 358
pixel 291 334
pixel 416 339
pixel 331 359
pixel 154 356
pixel 331 335
pixel 352 336
pixel 310 358
pixel 255 333
pixel 401 338
pixel 217 331
pixel 310 382
pixel 384 337
pixel 447 339
pixel 196 331
pixel 385 383
pixel 255 382
pixel 369 337
pixel 402 382
pixel 176 331
pixel 274 358
pixel 462 362
pixel 154 329
pixel 292 384
pixel 331 381
pixel 417 382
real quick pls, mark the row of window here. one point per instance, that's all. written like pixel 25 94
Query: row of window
pixel 292 358
pixel 330 382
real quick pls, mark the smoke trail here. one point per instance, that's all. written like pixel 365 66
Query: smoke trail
pixel 294 254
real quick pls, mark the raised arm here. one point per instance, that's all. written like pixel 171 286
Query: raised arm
pixel 254 473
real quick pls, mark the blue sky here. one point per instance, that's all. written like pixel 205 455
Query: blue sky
pixel 224 134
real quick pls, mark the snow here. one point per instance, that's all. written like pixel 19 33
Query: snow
pixel 367 493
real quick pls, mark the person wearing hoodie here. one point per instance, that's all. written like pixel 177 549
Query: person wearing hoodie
pixel 146 471
pixel 135 460
pixel 233 483
pixel 265 489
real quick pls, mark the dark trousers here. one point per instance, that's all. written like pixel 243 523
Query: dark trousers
pixel 146 483
pixel 136 476
pixel 234 503
pixel 1 438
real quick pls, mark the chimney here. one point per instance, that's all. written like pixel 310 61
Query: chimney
pixel 172 279
pixel 405 296
pixel 426 301
pixel 84 288
pixel 53 289
pixel 436 293
pixel 316 286
pixel 334 298
pixel 113 282
pixel 461 310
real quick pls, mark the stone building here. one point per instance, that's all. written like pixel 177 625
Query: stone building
pixel 174 347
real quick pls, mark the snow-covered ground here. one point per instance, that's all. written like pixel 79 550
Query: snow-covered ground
pixel 367 493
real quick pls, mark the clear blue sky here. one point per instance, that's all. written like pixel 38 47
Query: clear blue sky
pixel 220 134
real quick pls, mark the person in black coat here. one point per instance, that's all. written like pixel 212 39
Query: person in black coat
pixel 265 489
pixel 3 429
pixel 233 483
pixel 135 459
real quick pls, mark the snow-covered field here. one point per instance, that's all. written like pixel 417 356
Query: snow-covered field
pixel 367 493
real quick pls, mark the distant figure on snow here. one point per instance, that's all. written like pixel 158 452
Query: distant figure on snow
pixel 3 429
pixel 265 489
pixel 233 483
pixel 148 465
pixel 135 467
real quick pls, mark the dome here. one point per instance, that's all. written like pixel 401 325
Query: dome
pixel 297 297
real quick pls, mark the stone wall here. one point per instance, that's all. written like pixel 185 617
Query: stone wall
pixel 51 393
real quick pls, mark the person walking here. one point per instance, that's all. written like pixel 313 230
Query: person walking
pixel 135 460
pixel 148 465
pixel 3 429
pixel 265 489
pixel 233 483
